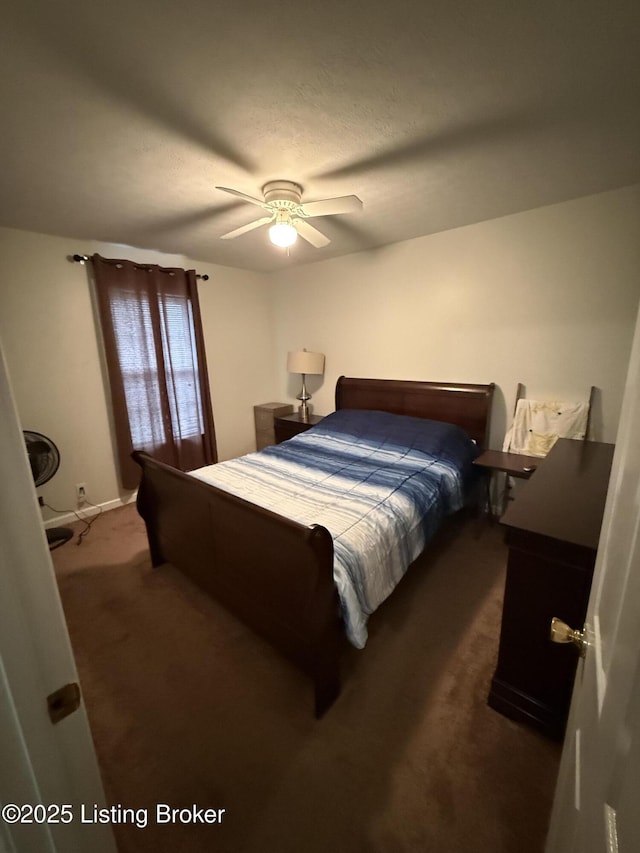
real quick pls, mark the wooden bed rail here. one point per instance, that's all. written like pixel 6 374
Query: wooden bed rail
pixel 245 556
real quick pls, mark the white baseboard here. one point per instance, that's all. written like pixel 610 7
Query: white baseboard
pixel 88 511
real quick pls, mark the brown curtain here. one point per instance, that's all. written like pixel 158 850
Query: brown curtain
pixel 152 331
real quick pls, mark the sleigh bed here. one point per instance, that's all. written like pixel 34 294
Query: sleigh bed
pixel 400 450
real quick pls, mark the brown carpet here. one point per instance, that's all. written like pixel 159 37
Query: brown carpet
pixel 188 707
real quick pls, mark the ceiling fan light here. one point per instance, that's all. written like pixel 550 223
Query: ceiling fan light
pixel 283 234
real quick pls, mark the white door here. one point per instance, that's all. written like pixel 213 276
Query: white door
pixel 40 763
pixel 596 803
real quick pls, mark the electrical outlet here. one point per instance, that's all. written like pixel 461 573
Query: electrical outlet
pixel 81 493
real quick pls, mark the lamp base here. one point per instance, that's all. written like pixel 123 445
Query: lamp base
pixel 304 410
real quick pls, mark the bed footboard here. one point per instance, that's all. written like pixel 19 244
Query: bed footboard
pixel 274 574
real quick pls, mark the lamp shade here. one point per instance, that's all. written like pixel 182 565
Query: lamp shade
pixel 305 362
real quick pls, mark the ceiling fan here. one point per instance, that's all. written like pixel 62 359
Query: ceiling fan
pixel 283 202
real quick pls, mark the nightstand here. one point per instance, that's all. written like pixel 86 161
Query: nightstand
pixel 290 425
pixel 512 464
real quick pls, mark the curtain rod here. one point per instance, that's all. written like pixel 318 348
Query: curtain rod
pixel 83 259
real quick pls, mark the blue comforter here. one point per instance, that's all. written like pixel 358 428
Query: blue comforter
pixel 380 483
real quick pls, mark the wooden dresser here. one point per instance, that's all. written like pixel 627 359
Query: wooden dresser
pixel 552 534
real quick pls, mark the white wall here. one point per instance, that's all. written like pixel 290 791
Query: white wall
pixel 48 331
pixel 547 298
pixel 238 329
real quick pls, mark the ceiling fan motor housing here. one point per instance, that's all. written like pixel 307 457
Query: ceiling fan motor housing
pixel 282 194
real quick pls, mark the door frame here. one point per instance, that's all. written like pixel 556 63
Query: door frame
pixel 42 762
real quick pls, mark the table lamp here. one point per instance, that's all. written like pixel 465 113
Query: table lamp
pixel 308 364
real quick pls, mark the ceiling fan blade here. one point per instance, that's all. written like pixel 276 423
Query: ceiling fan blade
pixel 245 228
pixel 330 206
pixel 311 234
pixel 246 197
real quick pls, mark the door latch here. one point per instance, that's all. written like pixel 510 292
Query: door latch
pixel 63 702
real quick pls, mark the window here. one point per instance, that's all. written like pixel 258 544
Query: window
pixel 155 356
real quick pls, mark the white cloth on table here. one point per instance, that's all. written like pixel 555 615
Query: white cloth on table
pixel 537 424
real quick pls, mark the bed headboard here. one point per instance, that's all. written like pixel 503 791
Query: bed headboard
pixel 468 406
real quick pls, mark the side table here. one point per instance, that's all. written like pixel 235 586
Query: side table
pixel 290 425
pixel 512 464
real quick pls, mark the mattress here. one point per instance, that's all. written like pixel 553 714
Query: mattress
pixel 380 483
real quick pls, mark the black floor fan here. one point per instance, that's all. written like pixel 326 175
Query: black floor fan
pixel 44 459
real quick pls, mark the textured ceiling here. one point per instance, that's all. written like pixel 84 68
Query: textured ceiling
pixel 119 119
